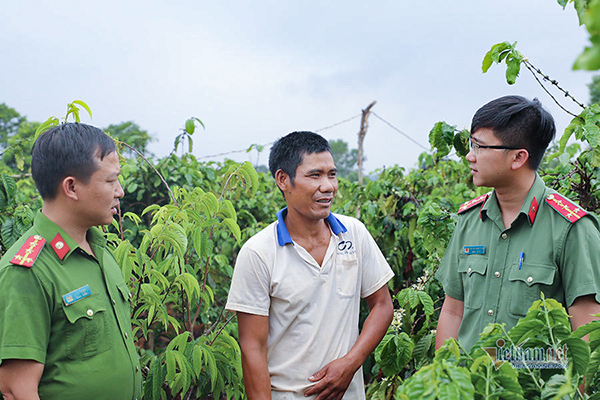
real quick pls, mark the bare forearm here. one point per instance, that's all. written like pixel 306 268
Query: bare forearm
pixel 257 380
pixel 374 328
pixel 19 379
pixel 450 319
pixel 254 331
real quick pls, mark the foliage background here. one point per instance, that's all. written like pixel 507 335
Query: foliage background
pixel 182 223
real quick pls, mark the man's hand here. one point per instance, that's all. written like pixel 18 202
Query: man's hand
pixel 333 380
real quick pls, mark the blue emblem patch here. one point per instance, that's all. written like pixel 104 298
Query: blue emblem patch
pixel 76 295
pixel 475 249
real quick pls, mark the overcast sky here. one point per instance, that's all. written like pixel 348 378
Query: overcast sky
pixel 253 71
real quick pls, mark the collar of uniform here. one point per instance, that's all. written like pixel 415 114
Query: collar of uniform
pixel 283 235
pixel 530 208
pixel 491 210
pixel 48 230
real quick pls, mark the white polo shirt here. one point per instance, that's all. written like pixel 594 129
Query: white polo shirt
pixel 313 310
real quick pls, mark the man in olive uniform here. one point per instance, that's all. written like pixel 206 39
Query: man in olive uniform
pixel 65 327
pixel 520 240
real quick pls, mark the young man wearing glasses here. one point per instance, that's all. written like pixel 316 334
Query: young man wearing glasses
pixel 520 240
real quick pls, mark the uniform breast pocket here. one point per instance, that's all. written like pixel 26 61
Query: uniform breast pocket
pixel 472 269
pixel 346 277
pixel 88 331
pixel 526 285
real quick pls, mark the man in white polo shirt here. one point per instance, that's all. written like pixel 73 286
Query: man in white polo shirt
pixel 297 286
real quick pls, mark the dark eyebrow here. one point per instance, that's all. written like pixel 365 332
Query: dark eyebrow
pixel 320 171
pixel 476 140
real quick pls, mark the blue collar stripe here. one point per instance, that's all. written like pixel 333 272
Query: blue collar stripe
pixel 283 235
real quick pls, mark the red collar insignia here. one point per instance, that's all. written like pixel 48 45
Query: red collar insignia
pixel 533 210
pixel 59 246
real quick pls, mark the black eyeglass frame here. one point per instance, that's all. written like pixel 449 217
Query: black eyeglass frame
pixel 473 145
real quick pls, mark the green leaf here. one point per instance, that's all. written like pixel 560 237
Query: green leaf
pixel 589 60
pixel 200 122
pixel 513 67
pixel 85 106
pixel 44 126
pixel 461 143
pixel 578 353
pixel 592 134
pixel 427 302
pixel 190 127
pixel 211 365
pixel 10 233
pixel 171 365
pixel 234 228
pixel 197 360
pixel 395 352
pixel 8 189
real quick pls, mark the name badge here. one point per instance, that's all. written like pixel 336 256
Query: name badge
pixel 76 295
pixel 475 249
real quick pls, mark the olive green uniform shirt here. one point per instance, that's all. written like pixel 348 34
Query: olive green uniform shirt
pixel 560 259
pixel 86 347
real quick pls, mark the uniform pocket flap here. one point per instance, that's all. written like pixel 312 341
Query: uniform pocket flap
pixel 87 308
pixel 532 274
pixel 473 264
pixel 124 291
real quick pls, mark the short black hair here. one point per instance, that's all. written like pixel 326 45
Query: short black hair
pixel 518 122
pixel 69 149
pixel 288 152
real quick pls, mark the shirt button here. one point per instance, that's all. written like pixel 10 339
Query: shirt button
pixel 469 270
pixel 497 274
pixel 126 335
pixel 90 313
pixel 504 235
pixel 137 368
pixel 530 279
pixel 490 312
pixel 114 302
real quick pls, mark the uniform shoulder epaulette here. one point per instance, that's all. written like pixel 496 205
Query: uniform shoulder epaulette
pixel 565 207
pixel 467 205
pixel 29 251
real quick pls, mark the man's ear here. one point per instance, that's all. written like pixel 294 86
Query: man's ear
pixel 520 159
pixel 68 187
pixel 283 180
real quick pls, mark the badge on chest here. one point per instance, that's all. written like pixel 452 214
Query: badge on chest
pixel 76 295
pixel 479 249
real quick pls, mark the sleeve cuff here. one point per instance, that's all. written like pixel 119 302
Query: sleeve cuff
pixel 22 353
pixel 378 285
pixel 246 309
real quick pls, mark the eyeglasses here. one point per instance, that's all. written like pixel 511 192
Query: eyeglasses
pixel 476 147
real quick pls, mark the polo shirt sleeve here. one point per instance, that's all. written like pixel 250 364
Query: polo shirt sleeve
pixel 376 271
pixel 447 273
pixel 250 284
pixel 25 316
pixel 580 265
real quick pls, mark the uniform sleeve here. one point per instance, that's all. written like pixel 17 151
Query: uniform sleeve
pixel 25 316
pixel 580 265
pixel 250 285
pixel 376 271
pixel 447 273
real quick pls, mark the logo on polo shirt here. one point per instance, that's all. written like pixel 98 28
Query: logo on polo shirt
pixel 346 247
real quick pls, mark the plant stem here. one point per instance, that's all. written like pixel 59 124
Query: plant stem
pixel 155 170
